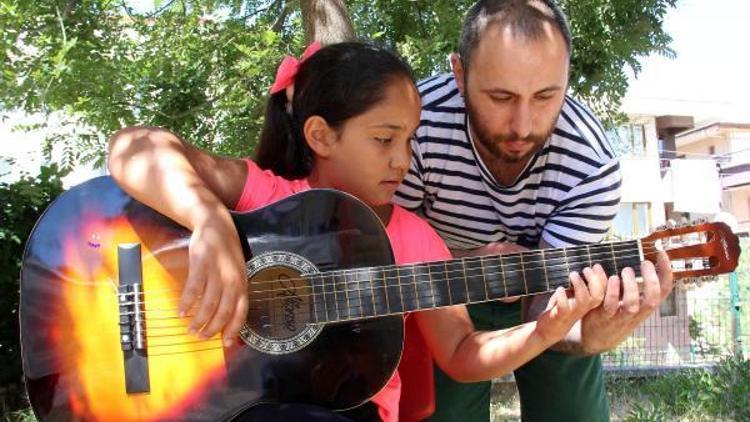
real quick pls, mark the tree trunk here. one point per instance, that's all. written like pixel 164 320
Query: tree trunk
pixel 326 21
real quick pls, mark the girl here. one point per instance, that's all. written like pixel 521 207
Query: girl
pixel 343 118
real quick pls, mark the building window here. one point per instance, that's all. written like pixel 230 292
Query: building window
pixel 629 140
pixel 632 221
pixel 711 150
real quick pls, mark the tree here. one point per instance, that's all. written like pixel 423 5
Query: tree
pixel 202 67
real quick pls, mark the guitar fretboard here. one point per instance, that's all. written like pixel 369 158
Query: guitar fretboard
pixel 378 291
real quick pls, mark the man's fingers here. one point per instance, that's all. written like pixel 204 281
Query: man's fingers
pixel 651 288
pixel 664 270
pixel 580 291
pixel 598 287
pixel 612 297
pixel 630 293
pixel 560 303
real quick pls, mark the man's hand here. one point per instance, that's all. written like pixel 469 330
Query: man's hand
pixel 214 292
pixel 605 327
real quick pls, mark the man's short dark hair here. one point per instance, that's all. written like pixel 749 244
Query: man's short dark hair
pixel 526 18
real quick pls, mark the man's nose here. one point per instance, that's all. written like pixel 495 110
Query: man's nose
pixel 522 122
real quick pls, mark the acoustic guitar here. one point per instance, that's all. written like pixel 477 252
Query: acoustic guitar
pixel 102 276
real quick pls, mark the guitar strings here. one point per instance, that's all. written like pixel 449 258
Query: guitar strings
pixel 352 312
pixel 489 270
pixel 595 252
pixel 358 289
pixel 347 302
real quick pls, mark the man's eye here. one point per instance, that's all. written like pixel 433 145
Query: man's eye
pixel 501 99
pixel 384 140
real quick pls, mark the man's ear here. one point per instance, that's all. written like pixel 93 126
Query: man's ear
pixel 458 72
pixel 319 135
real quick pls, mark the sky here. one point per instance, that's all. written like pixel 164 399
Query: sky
pixel 710 76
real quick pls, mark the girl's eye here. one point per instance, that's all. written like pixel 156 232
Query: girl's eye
pixel 384 140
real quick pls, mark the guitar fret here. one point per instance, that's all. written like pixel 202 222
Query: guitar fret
pixel 523 274
pixel 475 287
pixel 614 258
pixel 484 278
pixel 359 293
pixel 318 294
pixel 557 270
pixel 432 287
pixel 458 289
pixel 535 276
pixel 364 288
pixel 312 299
pixel 415 304
pixel 466 280
pixel 349 307
pixel 372 297
pixel 385 289
pixel 588 251
pixel 400 290
pixel 502 271
pixel 395 295
pixel 544 266
pixel 447 282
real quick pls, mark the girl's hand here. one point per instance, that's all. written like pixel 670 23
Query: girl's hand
pixel 562 312
pixel 214 293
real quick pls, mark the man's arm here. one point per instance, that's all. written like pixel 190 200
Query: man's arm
pixel 621 312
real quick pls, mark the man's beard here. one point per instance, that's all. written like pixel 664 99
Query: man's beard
pixel 492 142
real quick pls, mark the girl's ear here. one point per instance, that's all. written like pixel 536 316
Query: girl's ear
pixel 319 135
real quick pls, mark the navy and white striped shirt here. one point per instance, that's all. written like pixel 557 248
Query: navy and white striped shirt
pixel 567 195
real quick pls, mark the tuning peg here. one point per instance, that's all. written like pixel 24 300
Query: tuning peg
pixel 700 221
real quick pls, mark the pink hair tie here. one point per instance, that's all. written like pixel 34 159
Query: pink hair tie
pixel 289 67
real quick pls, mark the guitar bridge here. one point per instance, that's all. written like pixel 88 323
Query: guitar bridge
pixel 132 318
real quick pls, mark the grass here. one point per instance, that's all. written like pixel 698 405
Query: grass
pixel 722 393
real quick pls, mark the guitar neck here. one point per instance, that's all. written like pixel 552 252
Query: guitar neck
pixel 378 291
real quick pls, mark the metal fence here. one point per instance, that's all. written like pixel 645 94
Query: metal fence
pixel 702 322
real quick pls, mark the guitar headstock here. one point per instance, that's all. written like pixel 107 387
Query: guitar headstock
pixel 701 249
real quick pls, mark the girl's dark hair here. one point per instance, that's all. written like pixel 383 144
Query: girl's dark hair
pixel 337 83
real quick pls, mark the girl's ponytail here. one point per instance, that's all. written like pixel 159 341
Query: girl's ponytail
pixel 282 147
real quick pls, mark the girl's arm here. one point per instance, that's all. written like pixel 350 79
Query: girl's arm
pixel 195 189
pixel 467 355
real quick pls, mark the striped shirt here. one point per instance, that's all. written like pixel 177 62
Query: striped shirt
pixel 567 195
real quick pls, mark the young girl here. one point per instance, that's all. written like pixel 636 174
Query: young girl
pixel 343 118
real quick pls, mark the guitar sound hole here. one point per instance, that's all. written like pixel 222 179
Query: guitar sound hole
pixel 280 303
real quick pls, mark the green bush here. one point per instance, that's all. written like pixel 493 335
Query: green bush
pixel 22 202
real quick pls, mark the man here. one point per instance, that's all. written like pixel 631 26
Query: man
pixel 505 161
